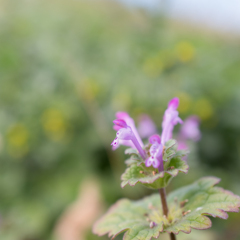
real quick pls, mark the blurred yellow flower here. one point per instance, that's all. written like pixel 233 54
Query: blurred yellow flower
pixel 185 51
pixel 185 102
pixel 54 124
pixel 17 139
pixel 203 108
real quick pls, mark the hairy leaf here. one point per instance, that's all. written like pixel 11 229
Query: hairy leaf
pixel 130 216
pixel 170 144
pixel 188 207
pixel 170 150
pixel 150 177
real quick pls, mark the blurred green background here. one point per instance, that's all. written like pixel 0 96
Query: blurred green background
pixel 66 67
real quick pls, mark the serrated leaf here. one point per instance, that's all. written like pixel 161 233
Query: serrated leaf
pixel 128 216
pixel 181 153
pixel 170 151
pixel 170 143
pixel 150 177
pixel 135 217
pixel 203 199
pixel 167 155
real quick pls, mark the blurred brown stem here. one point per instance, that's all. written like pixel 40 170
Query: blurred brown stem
pixel 162 192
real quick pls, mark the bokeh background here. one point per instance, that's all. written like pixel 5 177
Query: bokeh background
pixel 66 67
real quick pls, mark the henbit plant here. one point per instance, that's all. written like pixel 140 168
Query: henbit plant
pixel 154 165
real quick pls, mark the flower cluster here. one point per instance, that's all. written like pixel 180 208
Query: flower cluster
pixel 128 135
pixel 154 165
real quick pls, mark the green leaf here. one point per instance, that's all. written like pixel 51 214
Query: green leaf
pixel 181 153
pixel 167 155
pixel 203 199
pixel 188 207
pixel 170 150
pixel 131 161
pixel 134 160
pixel 131 151
pixel 150 177
pixel 170 144
pixel 128 216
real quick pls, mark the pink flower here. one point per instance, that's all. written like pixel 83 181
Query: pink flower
pixel 130 122
pixel 146 126
pixel 170 119
pixel 124 133
pixel 155 152
pixel 127 133
pixel 190 129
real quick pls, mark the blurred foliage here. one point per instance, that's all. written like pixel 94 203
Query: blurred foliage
pixel 66 67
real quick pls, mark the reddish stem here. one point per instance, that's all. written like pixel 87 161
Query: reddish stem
pixel 162 192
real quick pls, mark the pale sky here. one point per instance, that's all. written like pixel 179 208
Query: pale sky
pixel 216 14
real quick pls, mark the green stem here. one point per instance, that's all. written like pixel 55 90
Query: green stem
pixel 162 192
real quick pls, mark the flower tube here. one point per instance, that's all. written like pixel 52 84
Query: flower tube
pixel 125 132
pixel 170 119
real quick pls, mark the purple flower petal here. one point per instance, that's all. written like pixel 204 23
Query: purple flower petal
pixel 155 163
pixel 126 133
pixel 173 104
pixel 182 145
pixel 146 126
pixel 190 129
pixel 120 123
pixel 115 143
pixel 116 128
pixel 156 149
pixel 155 139
pixel 148 162
pixel 170 119
pixel 130 122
